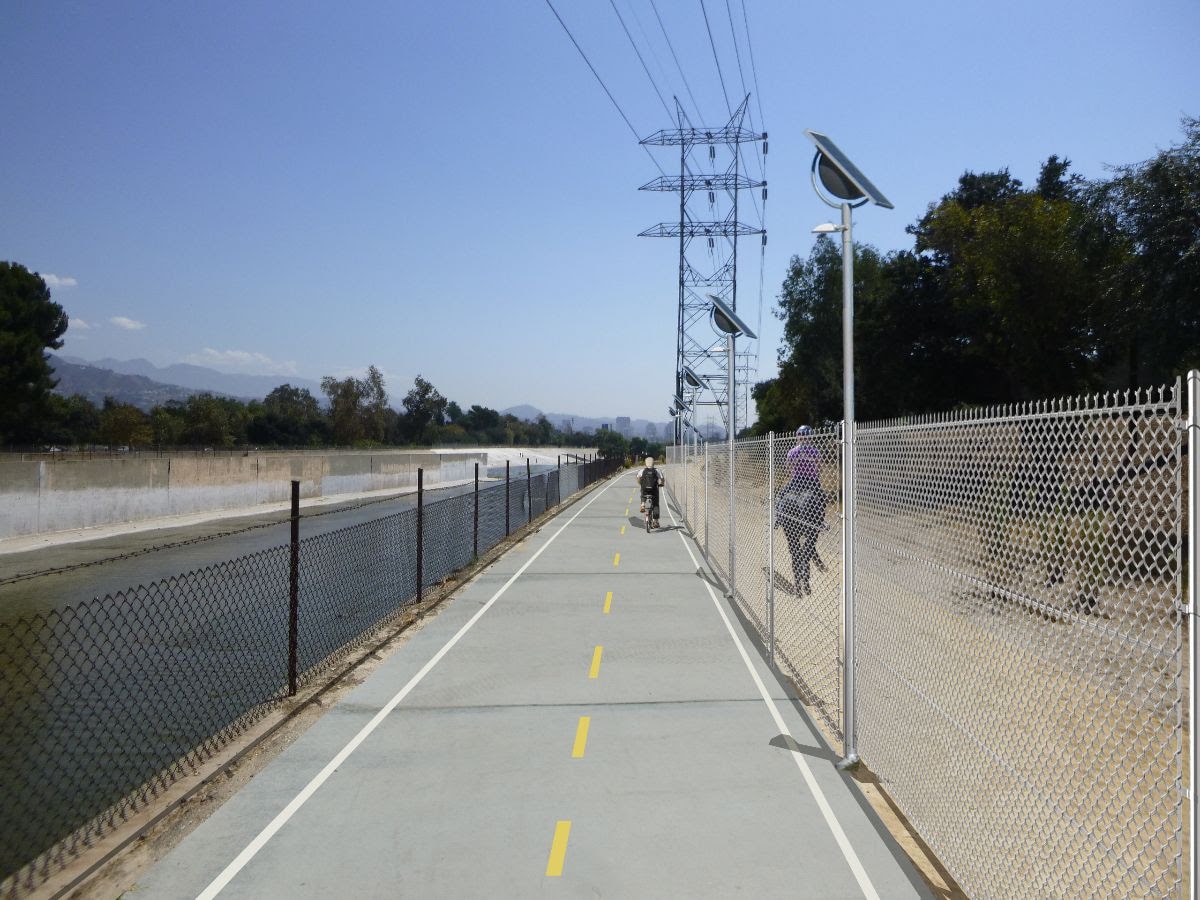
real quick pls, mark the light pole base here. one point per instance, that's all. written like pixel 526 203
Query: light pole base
pixel 848 763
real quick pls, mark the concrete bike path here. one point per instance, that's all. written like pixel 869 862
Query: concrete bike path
pixel 573 723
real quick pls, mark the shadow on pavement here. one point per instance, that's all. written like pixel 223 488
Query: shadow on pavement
pixel 787 742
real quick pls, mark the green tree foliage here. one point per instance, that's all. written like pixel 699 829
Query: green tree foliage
pixel 424 411
pixel 1008 294
pixel 611 445
pixel 214 422
pixel 30 323
pixel 70 422
pixel 346 408
pixel 124 426
pixel 1152 210
pixel 289 417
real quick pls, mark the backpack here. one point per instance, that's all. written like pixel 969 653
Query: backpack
pixel 648 479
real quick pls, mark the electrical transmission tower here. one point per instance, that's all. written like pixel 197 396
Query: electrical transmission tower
pixel 708 265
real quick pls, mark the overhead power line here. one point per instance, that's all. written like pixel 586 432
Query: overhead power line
pixel 712 43
pixel 607 92
pixel 645 68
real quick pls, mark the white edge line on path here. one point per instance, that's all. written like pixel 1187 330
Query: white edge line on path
pixel 856 866
pixel 219 883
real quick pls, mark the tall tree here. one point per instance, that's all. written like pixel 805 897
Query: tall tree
pixel 424 410
pixel 30 323
pixel 124 425
pixel 345 409
pixel 1154 209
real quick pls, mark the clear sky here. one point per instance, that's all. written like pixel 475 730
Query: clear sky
pixel 443 188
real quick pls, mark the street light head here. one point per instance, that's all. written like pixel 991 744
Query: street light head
pixel 840 177
pixel 826 228
pixel 691 377
pixel 727 320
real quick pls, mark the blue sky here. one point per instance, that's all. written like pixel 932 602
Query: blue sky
pixel 306 189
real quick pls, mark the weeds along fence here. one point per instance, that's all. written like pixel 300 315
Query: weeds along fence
pixel 1021 629
pixel 104 704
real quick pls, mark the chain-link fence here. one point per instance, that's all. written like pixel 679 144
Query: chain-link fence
pixel 103 704
pixel 1020 653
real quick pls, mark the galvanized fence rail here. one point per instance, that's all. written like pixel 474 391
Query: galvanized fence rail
pixel 1020 657
pixel 106 703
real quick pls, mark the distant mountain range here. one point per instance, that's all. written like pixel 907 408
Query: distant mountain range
pixel 140 383
pixel 199 378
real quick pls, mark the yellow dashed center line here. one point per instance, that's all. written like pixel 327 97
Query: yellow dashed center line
pixel 558 849
pixel 627 510
pixel 622 529
pixel 607 602
pixel 581 734
pixel 617 560
pixel 594 671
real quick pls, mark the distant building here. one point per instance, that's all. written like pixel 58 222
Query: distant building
pixel 604 427
pixel 651 431
pixel 624 428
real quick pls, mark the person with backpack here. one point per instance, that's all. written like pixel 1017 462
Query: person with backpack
pixel 649 479
pixel 800 510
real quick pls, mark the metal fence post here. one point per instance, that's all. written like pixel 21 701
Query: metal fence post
pixel 507 498
pixel 1193 586
pixel 420 531
pixel 706 499
pixel 475 527
pixel 849 736
pixel 528 493
pixel 294 595
pixel 771 542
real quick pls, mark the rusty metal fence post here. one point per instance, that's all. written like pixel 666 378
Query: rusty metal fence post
pixel 475 528
pixel 420 530
pixel 507 499
pixel 528 494
pixel 294 594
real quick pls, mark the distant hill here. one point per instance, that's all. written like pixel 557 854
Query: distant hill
pixel 200 378
pixel 96 383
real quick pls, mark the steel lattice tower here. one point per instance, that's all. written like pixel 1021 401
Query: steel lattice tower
pixel 696 344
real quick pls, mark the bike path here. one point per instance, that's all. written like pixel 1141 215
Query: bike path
pixel 573 723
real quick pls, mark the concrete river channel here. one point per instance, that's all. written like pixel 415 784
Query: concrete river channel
pixel 100 653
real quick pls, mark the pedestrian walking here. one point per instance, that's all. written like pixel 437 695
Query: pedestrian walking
pixel 800 509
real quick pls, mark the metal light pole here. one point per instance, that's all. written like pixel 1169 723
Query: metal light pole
pixel 728 323
pixel 848 188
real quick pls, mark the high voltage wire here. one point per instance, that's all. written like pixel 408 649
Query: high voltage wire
pixel 716 58
pixel 736 51
pixel 634 45
pixel 636 136
pixel 753 68
pixel 671 47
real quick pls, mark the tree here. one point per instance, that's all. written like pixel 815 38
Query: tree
pixel 124 425
pixel 345 409
pixel 1151 210
pixel 424 409
pixel 611 444
pixel 30 323
pixel 289 417
pixel 71 421
pixel 211 421
pixel 1025 295
pixel 375 408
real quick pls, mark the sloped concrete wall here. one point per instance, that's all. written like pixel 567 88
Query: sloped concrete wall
pixel 38 497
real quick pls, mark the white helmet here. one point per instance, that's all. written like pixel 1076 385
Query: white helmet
pixel 650 461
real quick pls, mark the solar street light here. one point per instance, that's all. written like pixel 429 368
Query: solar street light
pixel 845 187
